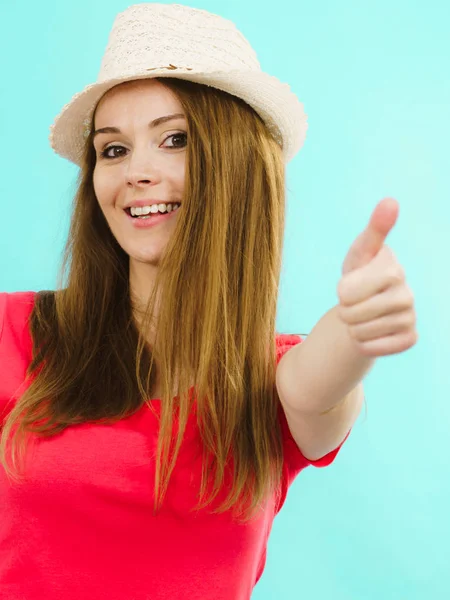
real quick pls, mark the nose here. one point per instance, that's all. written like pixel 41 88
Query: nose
pixel 143 173
pixel 141 179
pixel 136 181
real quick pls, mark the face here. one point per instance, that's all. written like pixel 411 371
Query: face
pixel 141 162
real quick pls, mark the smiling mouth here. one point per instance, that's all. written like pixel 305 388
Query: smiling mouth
pixel 144 221
pixel 152 214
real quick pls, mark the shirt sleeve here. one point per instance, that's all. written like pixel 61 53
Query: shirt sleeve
pixel 3 296
pixel 294 461
pixel 15 346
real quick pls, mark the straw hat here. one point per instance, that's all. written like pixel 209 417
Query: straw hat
pixel 170 40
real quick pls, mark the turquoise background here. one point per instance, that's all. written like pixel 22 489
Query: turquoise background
pixel 374 80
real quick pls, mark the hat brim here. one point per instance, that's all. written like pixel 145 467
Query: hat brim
pixel 273 100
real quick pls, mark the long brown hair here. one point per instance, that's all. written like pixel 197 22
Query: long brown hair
pixel 219 279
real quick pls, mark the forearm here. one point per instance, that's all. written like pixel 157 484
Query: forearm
pixel 320 372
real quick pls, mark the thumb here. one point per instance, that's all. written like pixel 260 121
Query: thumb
pixel 371 240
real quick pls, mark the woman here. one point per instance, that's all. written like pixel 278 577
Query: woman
pixel 139 484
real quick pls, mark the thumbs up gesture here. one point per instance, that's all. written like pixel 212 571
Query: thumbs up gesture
pixel 375 301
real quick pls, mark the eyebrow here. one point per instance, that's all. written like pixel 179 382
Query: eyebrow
pixel 152 124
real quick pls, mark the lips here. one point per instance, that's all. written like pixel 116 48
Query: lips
pixel 150 221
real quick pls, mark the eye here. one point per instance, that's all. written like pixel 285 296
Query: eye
pixel 174 136
pixel 104 153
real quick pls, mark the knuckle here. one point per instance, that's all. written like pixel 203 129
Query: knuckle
pixel 409 295
pixel 409 319
pixel 413 338
pixel 355 333
pixel 406 298
pixel 342 291
pixel 395 274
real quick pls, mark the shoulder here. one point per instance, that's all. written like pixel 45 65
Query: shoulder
pixel 15 308
pixel 15 344
pixel 15 339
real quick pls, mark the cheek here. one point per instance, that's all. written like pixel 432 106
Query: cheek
pixel 181 174
pixel 97 183
pixel 103 187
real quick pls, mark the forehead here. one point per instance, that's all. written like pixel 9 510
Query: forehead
pixel 147 97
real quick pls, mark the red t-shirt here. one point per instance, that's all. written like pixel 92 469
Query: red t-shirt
pixel 82 525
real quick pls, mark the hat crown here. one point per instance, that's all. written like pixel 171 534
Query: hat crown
pixel 152 35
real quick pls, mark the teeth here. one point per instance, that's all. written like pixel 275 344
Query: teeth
pixel 145 210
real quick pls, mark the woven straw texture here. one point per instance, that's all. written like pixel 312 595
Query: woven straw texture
pixel 169 40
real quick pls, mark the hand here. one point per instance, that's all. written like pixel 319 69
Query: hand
pixel 374 300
